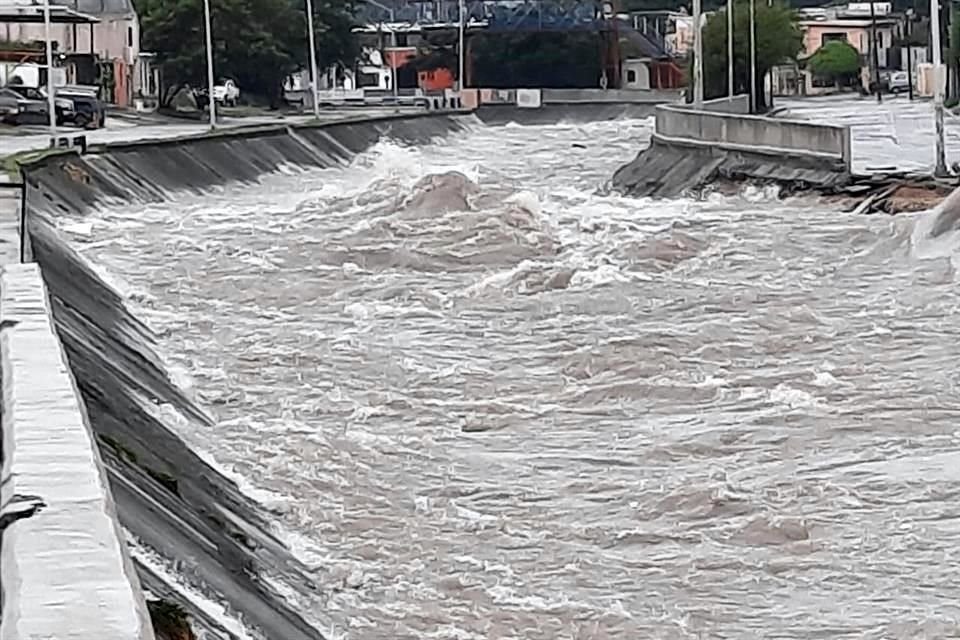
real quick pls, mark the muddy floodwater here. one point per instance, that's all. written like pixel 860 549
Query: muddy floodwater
pixel 504 405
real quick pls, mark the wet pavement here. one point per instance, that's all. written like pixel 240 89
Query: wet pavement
pixel 895 133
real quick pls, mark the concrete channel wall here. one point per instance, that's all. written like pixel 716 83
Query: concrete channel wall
pixel 736 104
pixel 716 126
pixel 552 106
pixel 167 497
pixel 66 570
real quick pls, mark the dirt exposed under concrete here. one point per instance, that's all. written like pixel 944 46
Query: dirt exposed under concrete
pixel 893 193
pixel 910 198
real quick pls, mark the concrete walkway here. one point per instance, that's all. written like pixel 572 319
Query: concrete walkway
pixel 895 133
pixel 9 226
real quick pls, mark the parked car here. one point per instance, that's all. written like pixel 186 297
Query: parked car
pixel 899 82
pixel 89 111
pixel 17 109
pixel 227 93
pixel 14 108
pixel 64 106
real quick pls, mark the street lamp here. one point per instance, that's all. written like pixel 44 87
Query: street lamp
pixel 211 103
pixel 463 19
pixel 51 99
pixel 697 56
pixel 314 81
pixel 909 37
pixel 730 48
pixel 753 58
pixel 938 88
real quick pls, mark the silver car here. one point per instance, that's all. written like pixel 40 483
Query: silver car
pixel 13 106
pixel 899 82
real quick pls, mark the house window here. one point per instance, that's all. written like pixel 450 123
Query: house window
pixel 839 36
pixel 631 76
pixel 129 36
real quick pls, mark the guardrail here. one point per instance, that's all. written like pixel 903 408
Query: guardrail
pixel 717 127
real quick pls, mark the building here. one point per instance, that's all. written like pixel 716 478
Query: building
pixel 853 24
pixel 111 40
pixel 673 28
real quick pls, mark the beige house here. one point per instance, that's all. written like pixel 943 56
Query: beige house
pixel 114 37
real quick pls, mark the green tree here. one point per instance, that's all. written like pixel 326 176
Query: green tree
pixel 779 40
pixel 255 42
pixel 540 59
pixel 836 62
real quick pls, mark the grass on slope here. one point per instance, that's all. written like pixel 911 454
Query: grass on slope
pixel 10 165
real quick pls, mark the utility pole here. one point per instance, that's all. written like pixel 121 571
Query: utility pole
pixel 753 57
pixel 697 57
pixel 211 103
pixel 51 98
pixel 874 53
pixel 941 160
pixel 393 60
pixel 730 48
pixel 314 79
pixel 463 21
pixel 951 90
pixel 909 39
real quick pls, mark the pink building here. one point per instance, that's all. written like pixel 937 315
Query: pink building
pixel 857 33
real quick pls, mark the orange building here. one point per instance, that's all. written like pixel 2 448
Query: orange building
pixel 435 79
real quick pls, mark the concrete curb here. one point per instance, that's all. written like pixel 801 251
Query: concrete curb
pixel 66 570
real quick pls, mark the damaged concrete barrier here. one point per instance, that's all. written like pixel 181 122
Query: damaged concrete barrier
pixel 690 148
pixel 66 572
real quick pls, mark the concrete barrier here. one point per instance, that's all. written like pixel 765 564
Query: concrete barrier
pixel 719 129
pixel 569 96
pixel 735 104
pixel 550 106
pixel 66 571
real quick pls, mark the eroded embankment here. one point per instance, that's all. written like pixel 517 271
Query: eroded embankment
pixel 667 170
pixel 167 496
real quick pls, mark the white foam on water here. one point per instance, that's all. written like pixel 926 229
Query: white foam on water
pixel 172 579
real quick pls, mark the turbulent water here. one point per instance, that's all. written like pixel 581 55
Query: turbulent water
pixel 564 414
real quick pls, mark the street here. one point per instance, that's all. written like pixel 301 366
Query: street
pixel 896 133
pixel 126 129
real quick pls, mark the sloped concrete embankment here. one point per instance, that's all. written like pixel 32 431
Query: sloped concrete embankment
pixel 691 148
pixel 65 567
pixel 167 496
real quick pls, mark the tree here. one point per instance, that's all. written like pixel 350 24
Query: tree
pixel 539 59
pixel 778 38
pixel 836 61
pixel 256 42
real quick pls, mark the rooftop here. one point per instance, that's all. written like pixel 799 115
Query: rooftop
pixel 30 12
pixel 87 8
